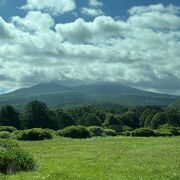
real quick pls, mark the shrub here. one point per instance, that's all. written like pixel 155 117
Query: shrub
pixel 126 133
pixel 127 128
pixel 74 132
pixel 13 158
pixel 96 131
pixel 143 132
pixel 168 130
pixel 5 135
pixel 163 132
pixel 110 132
pixel 8 128
pixel 35 134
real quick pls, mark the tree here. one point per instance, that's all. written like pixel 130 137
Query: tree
pixel 159 119
pixel 130 119
pixel 37 115
pixel 89 119
pixel 113 122
pixel 64 119
pixel 173 117
pixel 146 117
pixel 9 117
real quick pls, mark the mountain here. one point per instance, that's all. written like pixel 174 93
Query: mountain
pixel 57 94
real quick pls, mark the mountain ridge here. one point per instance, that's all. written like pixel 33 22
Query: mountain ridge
pixel 55 93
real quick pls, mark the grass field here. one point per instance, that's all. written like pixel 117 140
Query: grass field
pixel 111 158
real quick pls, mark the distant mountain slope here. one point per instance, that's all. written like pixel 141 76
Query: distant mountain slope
pixel 40 89
pixel 56 94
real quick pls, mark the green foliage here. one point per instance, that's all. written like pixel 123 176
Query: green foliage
pixel 96 131
pixel 13 158
pixel 113 158
pixel 113 122
pixel 9 117
pixel 168 130
pixel 64 119
pixel 146 117
pixel 127 128
pixel 158 120
pixel 75 132
pixel 35 134
pixel 143 132
pixel 110 132
pixel 89 119
pixel 173 117
pixel 126 133
pixel 5 135
pixel 37 114
pixel 130 119
pixel 8 128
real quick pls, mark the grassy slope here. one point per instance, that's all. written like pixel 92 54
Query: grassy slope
pixel 111 158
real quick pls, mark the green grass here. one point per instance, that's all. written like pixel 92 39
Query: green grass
pixel 111 158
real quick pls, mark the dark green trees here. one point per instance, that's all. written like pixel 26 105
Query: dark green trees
pixel 89 119
pixel 9 117
pixel 64 119
pixel 159 119
pixel 130 119
pixel 37 115
pixel 113 122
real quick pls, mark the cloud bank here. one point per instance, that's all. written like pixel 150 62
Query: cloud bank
pixel 141 51
pixel 54 7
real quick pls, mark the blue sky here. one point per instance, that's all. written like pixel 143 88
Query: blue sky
pixel 112 8
pixel 133 42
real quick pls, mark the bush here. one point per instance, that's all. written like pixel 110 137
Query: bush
pixel 110 132
pixel 127 128
pixel 143 132
pixel 163 132
pixel 126 133
pixel 13 158
pixel 35 134
pixel 8 128
pixel 5 135
pixel 74 132
pixel 96 131
pixel 168 130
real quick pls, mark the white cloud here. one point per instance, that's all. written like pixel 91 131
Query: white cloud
pixel 55 7
pixel 100 30
pixel 5 29
pixel 95 3
pixel 92 12
pixel 34 20
pixel 93 9
pixel 142 50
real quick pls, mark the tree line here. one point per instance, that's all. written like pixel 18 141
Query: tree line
pixel 36 114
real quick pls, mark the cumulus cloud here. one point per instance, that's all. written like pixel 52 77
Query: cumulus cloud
pixel 92 12
pixel 141 51
pixel 54 7
pixel 5 29
pixel 34 20
pixel 95 3
pixel 93 9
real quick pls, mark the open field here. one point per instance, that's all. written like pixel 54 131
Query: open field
pixel 111 158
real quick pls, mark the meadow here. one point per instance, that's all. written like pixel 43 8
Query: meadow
pixel 103 158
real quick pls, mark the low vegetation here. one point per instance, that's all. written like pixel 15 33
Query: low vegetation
pixel 75 132
pixel 14 159
pixel 35 134
pixel 103 158
pixel 7 129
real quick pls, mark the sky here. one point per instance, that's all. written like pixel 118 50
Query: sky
pixel 131 42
